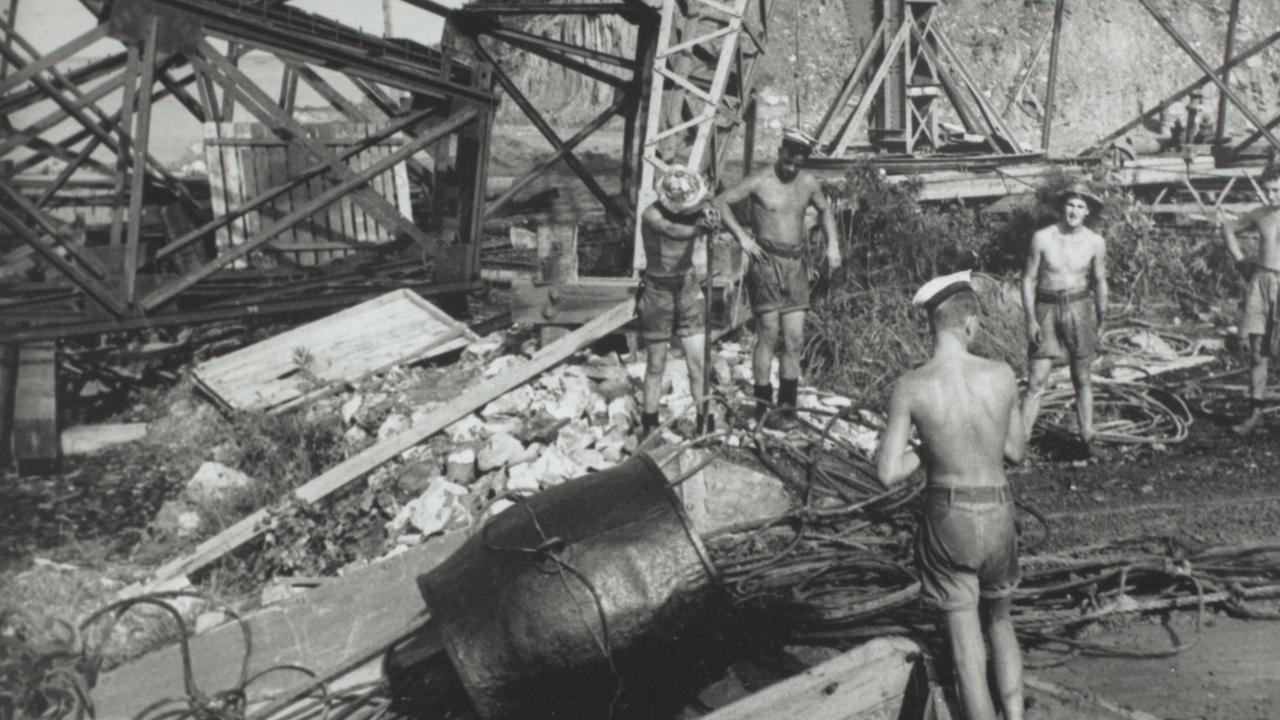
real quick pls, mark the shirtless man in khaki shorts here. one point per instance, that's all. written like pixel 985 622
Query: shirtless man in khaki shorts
pixel 671 301
pixel 965 409
pixel 778 277
pixel 1261 297
pixel 1063 321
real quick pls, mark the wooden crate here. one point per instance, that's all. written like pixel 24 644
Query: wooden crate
pixel 394 328
pixel 246 159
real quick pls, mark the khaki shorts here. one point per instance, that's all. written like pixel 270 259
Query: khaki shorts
pixel 670 307
pixel 1258 316
pixel 1068 326
pixel 966 551
pixel 778 283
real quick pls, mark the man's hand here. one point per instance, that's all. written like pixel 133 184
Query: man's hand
pixel 709 218
pixel 834 259
pixel 750 247
pixel 1033 331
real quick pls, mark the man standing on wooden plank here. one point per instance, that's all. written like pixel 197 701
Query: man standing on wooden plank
pixel 1261 305
pixel 671 298
pixel 778 277
pixel 1063 317
pixel 965 409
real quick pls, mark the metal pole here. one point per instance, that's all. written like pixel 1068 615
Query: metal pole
pixel 1046 130
pixel 1226 75
pixel 1204 67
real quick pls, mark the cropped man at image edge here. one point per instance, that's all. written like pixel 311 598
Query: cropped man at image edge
pixel 965 409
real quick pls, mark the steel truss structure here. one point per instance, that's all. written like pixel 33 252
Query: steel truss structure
pixel 135 281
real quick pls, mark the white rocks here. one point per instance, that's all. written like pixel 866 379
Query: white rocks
pixel 178 519
pixel 486 347
pixel 497 507
pixel 214 480
pixel 351 407
pixel 572 402
pixel 576 437
pixel 515 402
pixel 551 467
pixel 441 507
pixel 502 363
pixel 622 412
pixel 499 451
pixel 592 459
pixel 721 371
pixel 460 466
pixel 355 435
pixel 392 426
pixel 522 478
pixel 467 429
pixel 207 621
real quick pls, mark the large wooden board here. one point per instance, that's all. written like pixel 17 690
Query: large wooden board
pixel 866 683
pixel 397 327
pixel 335 625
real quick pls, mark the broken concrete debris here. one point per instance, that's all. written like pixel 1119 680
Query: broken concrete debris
pixel 214 481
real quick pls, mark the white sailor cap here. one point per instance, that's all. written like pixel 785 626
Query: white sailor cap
pixel 800 138
pixel 931 294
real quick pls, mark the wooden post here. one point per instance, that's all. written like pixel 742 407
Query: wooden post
pixel 35 437
pixel 1229 48
pixel 1046 130
pixel 8 382
pixel 141 138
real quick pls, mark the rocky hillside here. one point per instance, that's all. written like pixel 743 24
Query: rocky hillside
pixel 1115 58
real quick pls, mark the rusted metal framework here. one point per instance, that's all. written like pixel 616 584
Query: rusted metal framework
pixel 137 275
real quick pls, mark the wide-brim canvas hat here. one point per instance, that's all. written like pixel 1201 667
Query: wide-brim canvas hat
pixel 1082 190
pixel 681 189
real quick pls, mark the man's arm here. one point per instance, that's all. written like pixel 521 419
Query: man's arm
pixel 1098 266
pixel 657 222
pixel 1230 228
pixel 732 196
pixel 828 219
pixel 896 462
pixel 1030 276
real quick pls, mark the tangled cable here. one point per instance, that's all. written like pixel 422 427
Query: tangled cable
pixel 1126 413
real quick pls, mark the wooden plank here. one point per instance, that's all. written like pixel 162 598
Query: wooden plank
pixel 217 180
pixel 396 327
pixel 234 174
pixel 85 439
pixel 326 628
pixel 866 682
pixel 35 405
pixel 373 457
pixel 251 184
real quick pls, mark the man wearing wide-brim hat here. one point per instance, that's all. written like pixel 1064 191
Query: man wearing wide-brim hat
pixel 778 275
pixel 1064 296
pixel 671 300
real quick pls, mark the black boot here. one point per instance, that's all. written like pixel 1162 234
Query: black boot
pixel 784 418
pixel 648 423
pixel 764 399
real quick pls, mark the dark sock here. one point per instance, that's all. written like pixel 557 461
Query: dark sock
pixel 788 390
pixel 706 423
pixel 648 422
pixel 764 398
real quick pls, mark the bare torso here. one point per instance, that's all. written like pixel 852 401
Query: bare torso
pixel 1065 258
pixel 961 408
pixel 778 207
pixel 1268 224
pixel 668 241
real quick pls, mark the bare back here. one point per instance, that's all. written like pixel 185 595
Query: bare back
pixel 1065 260
pixel 778 207
pixel 961 406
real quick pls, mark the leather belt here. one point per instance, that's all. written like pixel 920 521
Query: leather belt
pixel 979 494
pixel 1062 297
pixel 668 282
pixel 789 250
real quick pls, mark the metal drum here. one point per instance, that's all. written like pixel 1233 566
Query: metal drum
pixel 573 597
